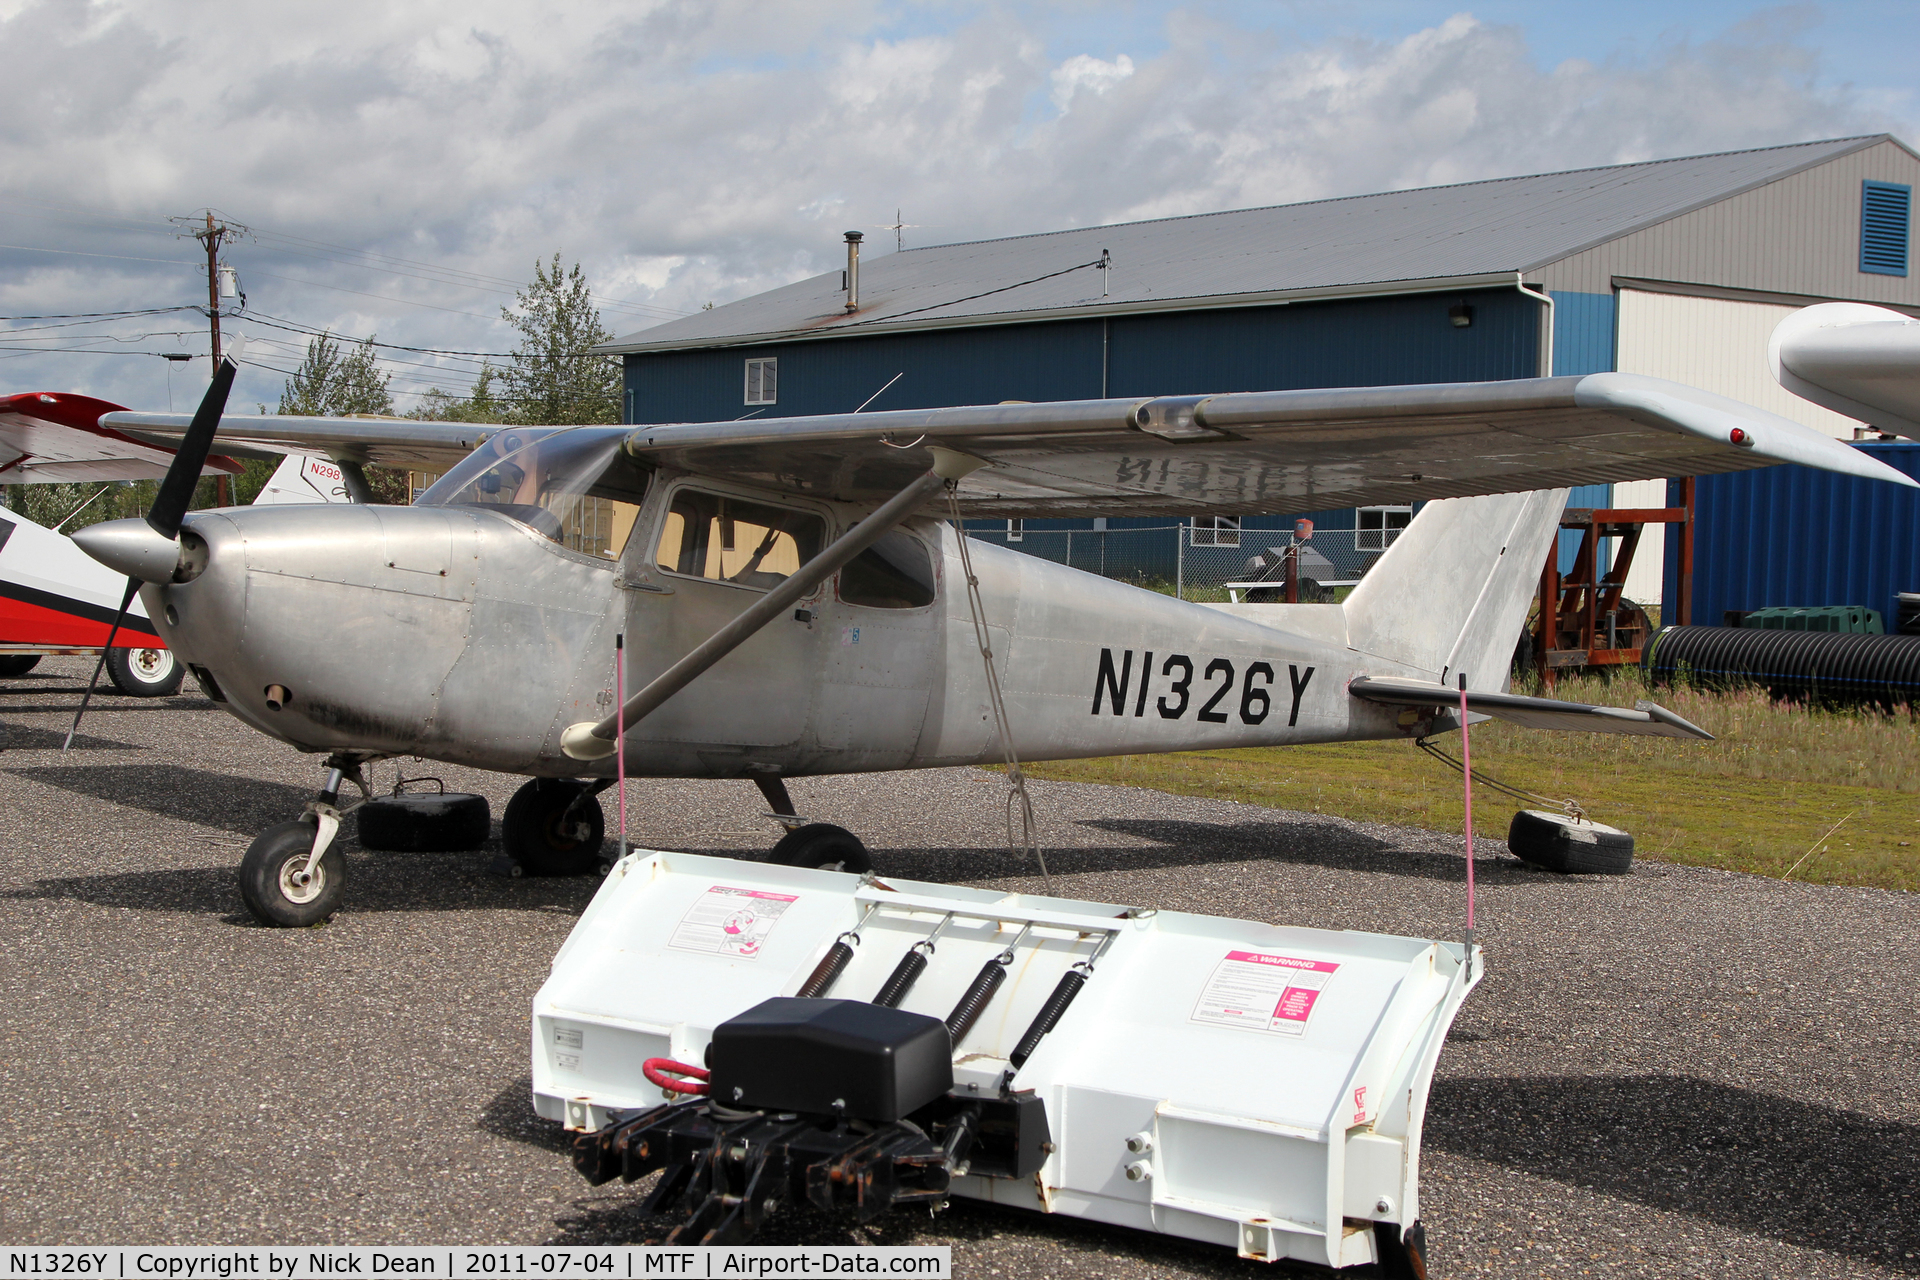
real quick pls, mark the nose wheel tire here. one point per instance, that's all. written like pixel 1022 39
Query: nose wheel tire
pixel 275 883
pixel 824 846
pixel 145 673
pixel 547 833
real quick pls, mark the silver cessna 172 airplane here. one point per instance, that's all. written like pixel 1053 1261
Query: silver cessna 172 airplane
pixel 793 603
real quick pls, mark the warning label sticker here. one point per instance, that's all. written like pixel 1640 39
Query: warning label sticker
pixel 730 922
pixel 1259 992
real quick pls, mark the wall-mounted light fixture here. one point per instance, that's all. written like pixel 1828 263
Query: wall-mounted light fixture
pixel 1461 315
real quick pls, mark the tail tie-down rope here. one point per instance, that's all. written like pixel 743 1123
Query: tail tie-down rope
pixel 1566 804
pixel 1019 805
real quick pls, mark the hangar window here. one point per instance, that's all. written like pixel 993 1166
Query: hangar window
pixel 1375 528
pixel 1885 212
pixel 1216 531
pixel 894 573
pixel 709 535
pixel 763 381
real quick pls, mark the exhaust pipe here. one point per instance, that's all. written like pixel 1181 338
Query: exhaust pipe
pixel 853 270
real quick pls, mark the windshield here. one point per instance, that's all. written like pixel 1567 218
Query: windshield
pixel 574 485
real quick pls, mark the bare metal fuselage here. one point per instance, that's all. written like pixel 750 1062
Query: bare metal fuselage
pixel 458 634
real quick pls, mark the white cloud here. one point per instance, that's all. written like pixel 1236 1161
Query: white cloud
pixel 1084 72
pixel 687 152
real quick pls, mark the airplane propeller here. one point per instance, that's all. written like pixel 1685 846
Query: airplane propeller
pixel 149 554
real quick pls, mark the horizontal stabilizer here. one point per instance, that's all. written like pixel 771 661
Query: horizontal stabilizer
pixel 1534 713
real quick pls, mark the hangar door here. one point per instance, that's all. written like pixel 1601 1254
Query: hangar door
pixel 1717 345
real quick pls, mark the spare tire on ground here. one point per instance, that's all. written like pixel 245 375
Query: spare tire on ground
pixel 425 822
pixel 1555 842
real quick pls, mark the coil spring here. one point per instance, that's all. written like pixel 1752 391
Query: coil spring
pixel 975 1001
pixel 827 972
pixel 901 981
pixel 1050 1013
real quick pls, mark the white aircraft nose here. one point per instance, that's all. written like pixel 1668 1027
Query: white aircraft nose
pixel 131 547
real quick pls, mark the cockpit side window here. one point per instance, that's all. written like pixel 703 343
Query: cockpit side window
pixel 711 535
pixel 894 573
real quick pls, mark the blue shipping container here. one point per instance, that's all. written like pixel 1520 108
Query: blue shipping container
pixel 1796 536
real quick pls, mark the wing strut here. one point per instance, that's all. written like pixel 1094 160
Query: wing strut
pixel 589 740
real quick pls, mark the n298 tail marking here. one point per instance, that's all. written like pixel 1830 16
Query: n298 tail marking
pixel 1112 681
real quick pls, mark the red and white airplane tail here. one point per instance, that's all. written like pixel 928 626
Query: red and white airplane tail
pixel 56 599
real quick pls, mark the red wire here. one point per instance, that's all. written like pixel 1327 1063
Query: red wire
pixel 656 1069
pixel 1466 774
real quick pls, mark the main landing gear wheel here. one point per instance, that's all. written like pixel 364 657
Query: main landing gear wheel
pixel 822 845
pixel 276 885
pixel 554 827
pixel 425 822
pixel 1555 842
pixel 145 673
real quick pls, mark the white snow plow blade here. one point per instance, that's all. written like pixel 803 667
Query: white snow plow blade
pixel 1248 1085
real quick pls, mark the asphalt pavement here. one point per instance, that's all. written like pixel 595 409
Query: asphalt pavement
pixel 1680 1072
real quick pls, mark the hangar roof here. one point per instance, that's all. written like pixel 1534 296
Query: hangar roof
pixel 1465 235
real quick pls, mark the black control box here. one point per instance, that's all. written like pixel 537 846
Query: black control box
pixel 830 1057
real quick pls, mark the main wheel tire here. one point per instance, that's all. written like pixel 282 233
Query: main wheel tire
pixel 145 673
pixel 1555 842
pixel 18 664
pixel 425 822
pixel 269 877
pixel 541 835
pixel 822 845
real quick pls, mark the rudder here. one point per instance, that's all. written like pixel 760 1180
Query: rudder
pixel 1450 594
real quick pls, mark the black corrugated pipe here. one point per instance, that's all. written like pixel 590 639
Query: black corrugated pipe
pixel 1817 666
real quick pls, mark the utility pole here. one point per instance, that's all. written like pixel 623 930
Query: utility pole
pixel 211 236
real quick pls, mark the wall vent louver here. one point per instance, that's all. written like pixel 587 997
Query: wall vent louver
pixel 1885 214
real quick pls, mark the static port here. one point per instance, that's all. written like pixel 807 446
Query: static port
pixel 278 696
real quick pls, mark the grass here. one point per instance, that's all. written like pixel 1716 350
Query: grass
pixel 1758 799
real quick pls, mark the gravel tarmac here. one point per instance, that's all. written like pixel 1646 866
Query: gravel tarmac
pixel 1680 1072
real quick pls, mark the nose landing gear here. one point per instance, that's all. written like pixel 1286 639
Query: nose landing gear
pixel 293 875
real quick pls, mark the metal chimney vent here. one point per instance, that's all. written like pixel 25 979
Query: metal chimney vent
pixel 853 270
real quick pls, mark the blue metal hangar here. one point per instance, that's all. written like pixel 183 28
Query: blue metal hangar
pixel 1677 268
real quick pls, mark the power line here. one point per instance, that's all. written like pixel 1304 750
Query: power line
pixel 101 315
pixel 473 279
pixel 292 327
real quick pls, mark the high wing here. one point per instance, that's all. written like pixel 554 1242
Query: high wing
pixel 57 438
pixel 1267 452
pixel 1647 718
pixel 387 442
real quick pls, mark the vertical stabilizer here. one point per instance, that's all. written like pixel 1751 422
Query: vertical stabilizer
pixel 1450 595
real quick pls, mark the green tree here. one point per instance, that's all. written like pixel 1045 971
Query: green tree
pixel 480 405
pixel 552 379
pixel 335 380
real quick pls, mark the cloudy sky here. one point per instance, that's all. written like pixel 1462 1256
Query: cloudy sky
pixel 401 167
